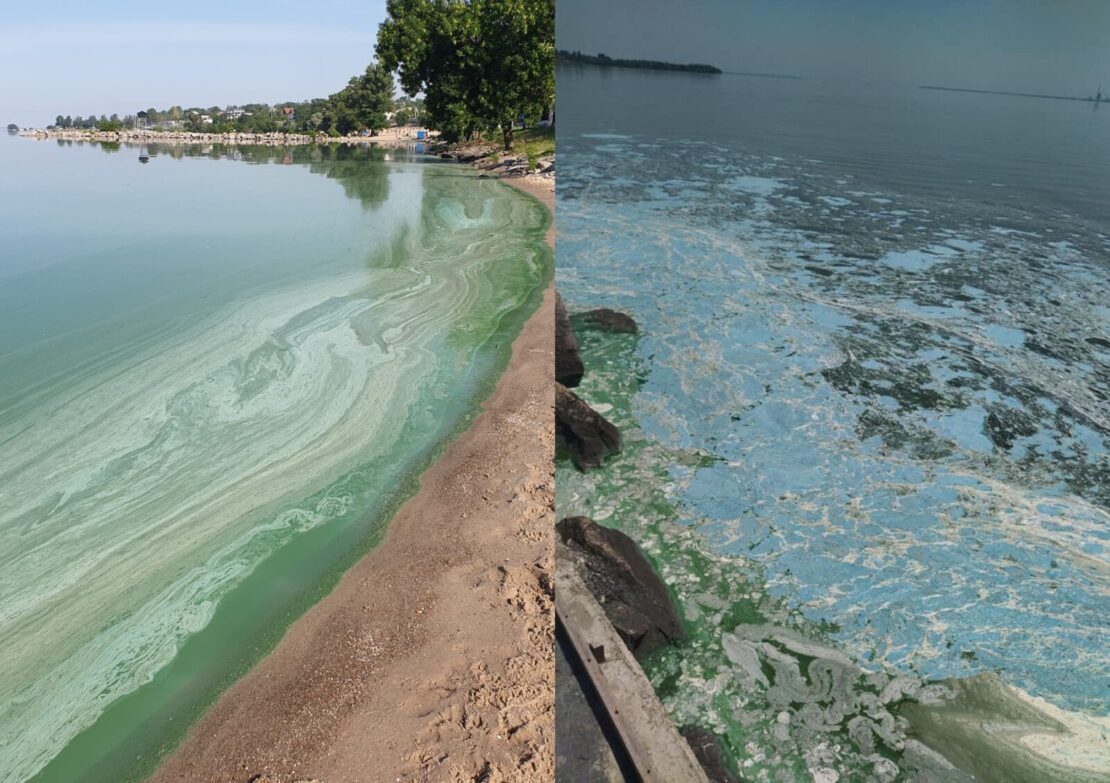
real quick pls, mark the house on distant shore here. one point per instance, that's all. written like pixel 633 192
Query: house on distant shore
pixel 205 119
pixel 233 113
pixel 289 112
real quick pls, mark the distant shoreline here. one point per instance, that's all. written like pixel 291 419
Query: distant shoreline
pixel 646 65
pixel 1012 94
pixel 390 136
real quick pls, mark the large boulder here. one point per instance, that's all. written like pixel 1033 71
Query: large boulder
pixel 583 432
pixel 568 364
pixel 707 750
pixel 620 577
pixel 610 320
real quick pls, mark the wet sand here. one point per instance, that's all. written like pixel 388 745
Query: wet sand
pixel 433 657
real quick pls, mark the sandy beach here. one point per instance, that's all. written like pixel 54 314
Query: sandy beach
pixel 432 660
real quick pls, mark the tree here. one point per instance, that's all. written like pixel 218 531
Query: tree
pixel 363 103
pixel 423 41
pixel 517 45
pixel 59 121
pixel 479 63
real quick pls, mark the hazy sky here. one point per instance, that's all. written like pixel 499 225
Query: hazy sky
pixel 1057 46
pixel 80 57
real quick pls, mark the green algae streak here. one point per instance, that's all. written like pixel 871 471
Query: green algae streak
pixel 209 470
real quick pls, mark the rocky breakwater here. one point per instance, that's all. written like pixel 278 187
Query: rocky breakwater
pixel 517 166
pixel 580 431
pixel 190 137
pixel 488 159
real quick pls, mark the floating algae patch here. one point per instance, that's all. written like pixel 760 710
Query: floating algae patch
pixel 873 394
pixel 193 466
pixel 914 455
pixel 996 732
pixel 741 664
pixel 786 701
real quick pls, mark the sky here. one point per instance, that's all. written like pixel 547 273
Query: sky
pixel 119 56
pixel 1052 46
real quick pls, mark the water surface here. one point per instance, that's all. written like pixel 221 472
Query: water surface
pixel 220 371
pixel 871 400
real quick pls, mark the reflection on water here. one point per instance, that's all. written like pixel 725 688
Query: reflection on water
pixel 216 382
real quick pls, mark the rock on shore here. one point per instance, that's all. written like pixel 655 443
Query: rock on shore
pixel 188 137
pixel 633 596
pixel 568 364
pixel 610 320
pixel 583 432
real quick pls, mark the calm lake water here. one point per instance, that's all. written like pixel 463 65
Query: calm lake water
pixel 868 415
pixel 219 373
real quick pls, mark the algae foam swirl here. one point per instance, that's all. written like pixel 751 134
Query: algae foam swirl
pixel 136 495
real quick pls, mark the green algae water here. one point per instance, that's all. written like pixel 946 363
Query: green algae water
pixel 220 372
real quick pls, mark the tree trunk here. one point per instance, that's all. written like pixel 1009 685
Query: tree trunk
pixel 507 135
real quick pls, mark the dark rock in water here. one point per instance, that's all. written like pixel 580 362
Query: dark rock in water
pixel 583 432
pixel 446 155
pixel 613 321
pixel 568 364
pixel 707 750
pixel 620 577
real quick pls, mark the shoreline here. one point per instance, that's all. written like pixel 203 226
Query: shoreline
pixel 389 137
pixel 475 541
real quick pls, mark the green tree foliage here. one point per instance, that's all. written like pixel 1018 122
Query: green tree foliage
pixel 362 104
pixel 479 63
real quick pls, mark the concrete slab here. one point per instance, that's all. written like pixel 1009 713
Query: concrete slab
pixel 656 750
